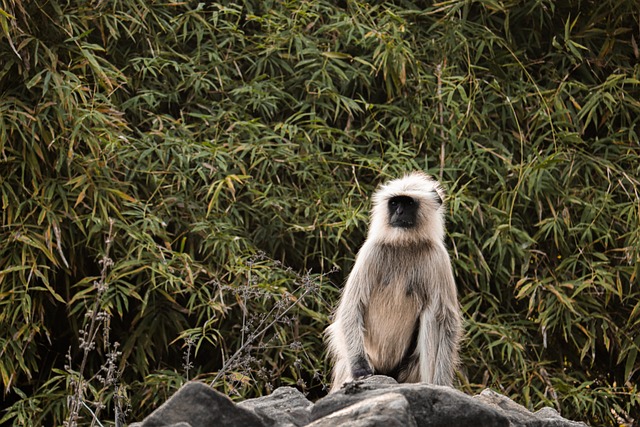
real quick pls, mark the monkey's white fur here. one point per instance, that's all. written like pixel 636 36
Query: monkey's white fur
pixel 400 294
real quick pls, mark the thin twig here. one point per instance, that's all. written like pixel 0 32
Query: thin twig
pixel 95 417
pixel 88 338
pixel 251 337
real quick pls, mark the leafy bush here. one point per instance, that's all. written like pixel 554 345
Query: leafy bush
pixel 182 175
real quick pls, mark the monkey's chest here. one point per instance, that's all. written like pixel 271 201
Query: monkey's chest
pixel 390 320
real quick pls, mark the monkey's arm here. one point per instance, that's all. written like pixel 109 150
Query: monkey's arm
pixel 439 332
pixel 440 327
pixel 350 317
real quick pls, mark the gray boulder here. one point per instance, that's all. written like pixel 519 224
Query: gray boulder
pixel 430 405
pixel 518 415
pixel 285 407
pixel 384 410
pixel 197 405
pixel 376 401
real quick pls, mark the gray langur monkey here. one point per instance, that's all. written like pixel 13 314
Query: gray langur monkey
pixel 399 314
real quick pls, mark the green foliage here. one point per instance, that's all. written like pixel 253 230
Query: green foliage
pixel 209 133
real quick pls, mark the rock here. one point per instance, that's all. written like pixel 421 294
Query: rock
pixel 198 405
pixel 518 415
pixel 380 379
pixel 376 401
pixel 286 406
pixel 385 410
pixel 549 417
pixel 515 413
pixel 430 405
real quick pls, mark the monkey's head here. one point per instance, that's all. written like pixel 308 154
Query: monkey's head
pixel 408 210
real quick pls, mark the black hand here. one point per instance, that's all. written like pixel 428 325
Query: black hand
pixel 361 368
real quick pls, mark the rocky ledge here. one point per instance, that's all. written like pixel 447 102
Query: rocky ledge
pixel 373 402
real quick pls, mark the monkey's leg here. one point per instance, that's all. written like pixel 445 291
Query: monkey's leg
pixel 438 342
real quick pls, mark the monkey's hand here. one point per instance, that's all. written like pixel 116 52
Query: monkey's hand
pixel 361 368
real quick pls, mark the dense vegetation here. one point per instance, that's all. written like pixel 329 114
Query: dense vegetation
pixel 180 183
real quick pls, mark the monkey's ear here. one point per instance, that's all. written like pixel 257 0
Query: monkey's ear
pixel 437 197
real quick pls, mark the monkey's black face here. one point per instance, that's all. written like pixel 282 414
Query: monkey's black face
pixel 403 212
